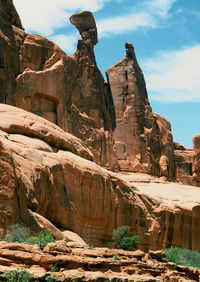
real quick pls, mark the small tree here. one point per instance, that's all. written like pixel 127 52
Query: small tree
pixel 122 240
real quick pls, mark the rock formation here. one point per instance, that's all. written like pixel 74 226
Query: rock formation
pixel 196 159
pixel 11 39
pixel 82 264
pixel 183 160
pixel 36 75
pixel 47 179
pixel 71 92
pixel 143 140
pixel 67 120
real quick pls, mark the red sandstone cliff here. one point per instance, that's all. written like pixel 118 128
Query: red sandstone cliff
pixel 143 140
pixel 48 174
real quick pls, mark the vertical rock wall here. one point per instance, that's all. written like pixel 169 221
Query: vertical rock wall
pixel 143 140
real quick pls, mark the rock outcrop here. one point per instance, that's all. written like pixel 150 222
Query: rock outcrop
pixel 196 159
pixel 68 120
pixel 11 39
pixel 70 262
pixel 37 76
pixel 47 175
pixel 183 160
pixel 143 140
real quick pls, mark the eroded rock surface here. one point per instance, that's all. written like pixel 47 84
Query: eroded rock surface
pixel 46 176
pixel 69 263
pixel 37 76
pixel 184 160
pixel 143 140
pixel 196 159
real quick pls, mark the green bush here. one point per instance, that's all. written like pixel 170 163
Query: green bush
pixel 18 234
pixel 183 257
pixel 91 247
pixel 19 275
pixel 122 240
pixel 41 239
pixel 129 243
pixel 51 278
pixel 116 257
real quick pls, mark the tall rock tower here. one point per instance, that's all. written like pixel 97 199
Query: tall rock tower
pixel 143 140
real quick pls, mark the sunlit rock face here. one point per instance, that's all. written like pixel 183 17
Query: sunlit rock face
pixel 143 140
pixel 37 76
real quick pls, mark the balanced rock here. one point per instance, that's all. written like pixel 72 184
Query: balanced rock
pixel 37 76
pixel 143 140
pixel 86 25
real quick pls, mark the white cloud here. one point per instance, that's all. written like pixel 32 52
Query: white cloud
pixel 161 7
pixel 66 42
pixel 174 76
pixel 148 14
pixel 119 24
pixel 43 16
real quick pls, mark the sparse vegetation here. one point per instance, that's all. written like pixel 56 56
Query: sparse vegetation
pixel 54 267
pixel 122 240
pixel 18 234
pixel 91 247
pixel 51 278
pixel 183 257
pixel 19 275
pixel 116 257
pixel 41 239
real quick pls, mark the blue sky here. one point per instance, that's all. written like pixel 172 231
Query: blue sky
pixel 166 36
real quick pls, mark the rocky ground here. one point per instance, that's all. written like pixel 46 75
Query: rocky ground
pixel 73 262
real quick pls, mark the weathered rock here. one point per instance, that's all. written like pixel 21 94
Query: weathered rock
pixel 9 13
pixel 143 140
pixel 85 23
pixel 15 120
pixel 76 194
pixel 196 159
pixel 183 160
pixel 62 262
pixel 11 39
pixel 68 91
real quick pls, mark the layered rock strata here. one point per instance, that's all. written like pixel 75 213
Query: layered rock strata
pixel 48 181
pixel 143 140
pixel 70 262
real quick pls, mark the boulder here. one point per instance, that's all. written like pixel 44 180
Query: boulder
pixel 143 140
pixel 86 25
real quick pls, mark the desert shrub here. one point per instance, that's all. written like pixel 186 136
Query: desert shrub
pixel 129 243
pixel 122 240
pixel 19 275
pixel 91 247
pixel 55 267
pixel 183 257
pixel 19 234
pixel 41 239
pixel 116 257
pixel 51 278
